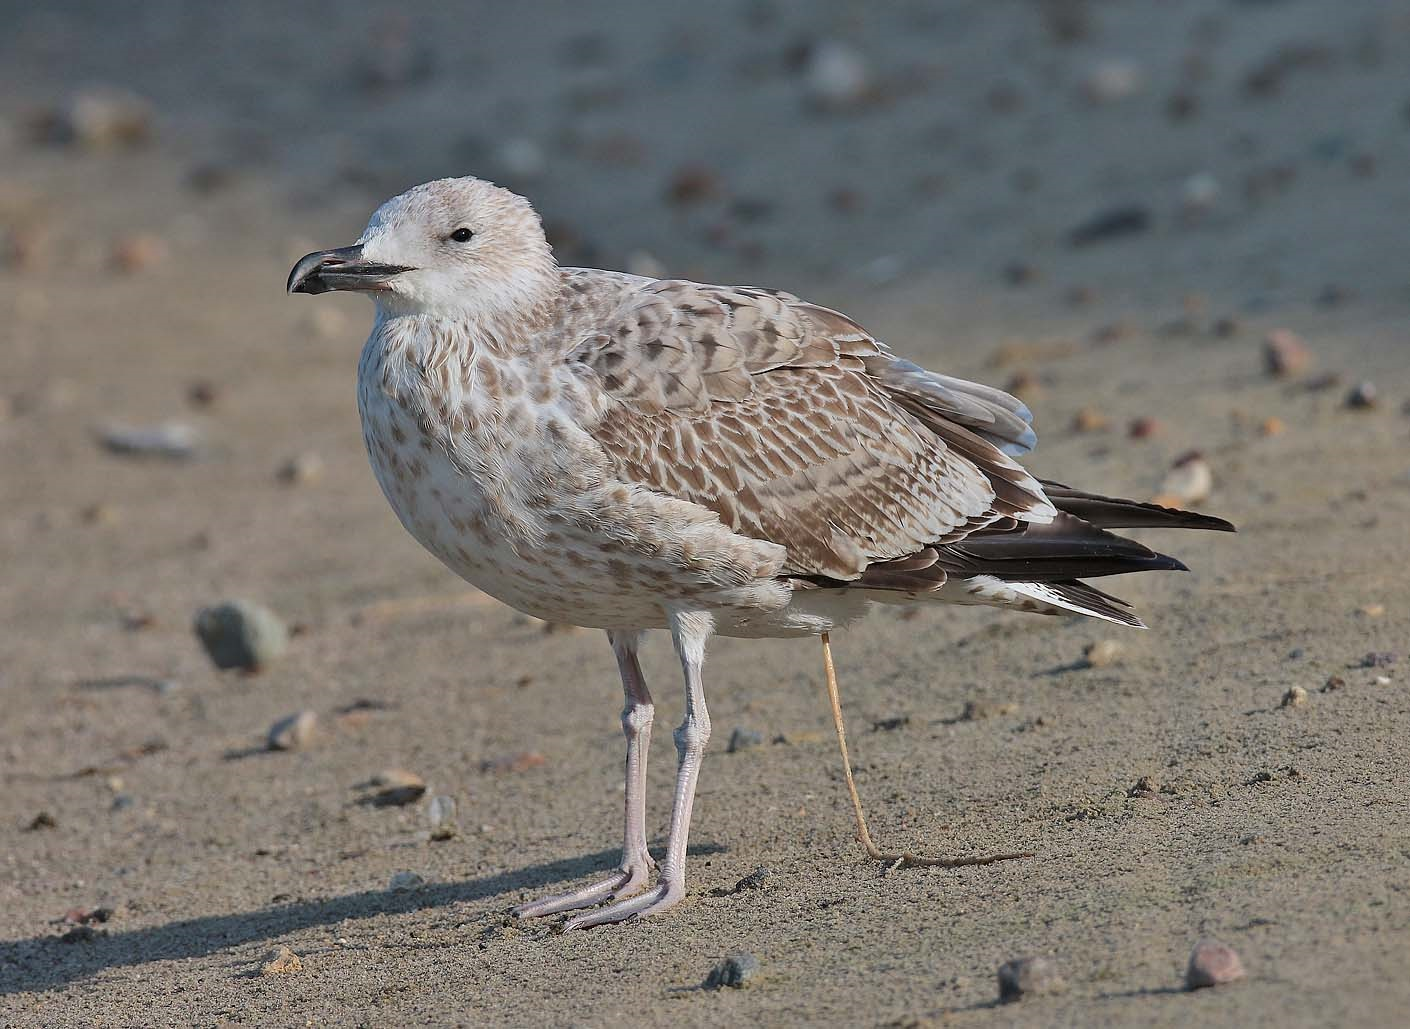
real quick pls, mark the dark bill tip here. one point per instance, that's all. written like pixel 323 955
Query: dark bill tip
pixel 343 268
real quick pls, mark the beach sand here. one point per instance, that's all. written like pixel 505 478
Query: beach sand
pixel 1257 156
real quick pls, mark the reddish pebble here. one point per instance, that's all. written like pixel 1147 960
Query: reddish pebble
pixel 1284 353
pixel 1143 428
pixel 1212 964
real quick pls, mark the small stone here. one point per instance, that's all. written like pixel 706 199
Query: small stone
pixel 202 394
pixel 396 787
pixel 294 732
pixel 1371 610
pixel 241 634
pixel 1025 977
pixel 1144 787
pixel 1112 223
pixel 978 710
pixel 281 961
pixel 177 441
pixel 404 882
pixel 1272 426
pixel 1020 273
pixel 138 252
pixel 1112 80
pixel 1102 653
pixel 1024 385
pixel 1379 659
pixel 1199 193
pixel 1335 682
pixel 835 77
pixel 693 184
pixel 734 971
pixel 753 881
pixel 43 820
pixel 101 118
pixel 1089 419
pixel 1285 354
pixel 1295 697
pixel 301 470
pixel 1190 479
pixel 743 739
pixel 1143 428
pixel 519 762
pixel 1362 396
pixel 1212 964
pixel 440 812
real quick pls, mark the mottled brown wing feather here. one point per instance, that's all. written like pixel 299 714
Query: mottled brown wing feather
pixel 775 414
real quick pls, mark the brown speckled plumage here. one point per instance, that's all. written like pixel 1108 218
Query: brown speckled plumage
pixel 629 453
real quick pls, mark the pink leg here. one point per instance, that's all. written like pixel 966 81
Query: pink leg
pixel 636 864
pixel 690 630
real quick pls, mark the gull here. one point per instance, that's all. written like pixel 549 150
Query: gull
pixel 628 453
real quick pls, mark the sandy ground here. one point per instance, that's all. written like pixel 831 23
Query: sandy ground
pixel 935 207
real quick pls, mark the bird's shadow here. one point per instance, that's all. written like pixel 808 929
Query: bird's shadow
pixel 47 962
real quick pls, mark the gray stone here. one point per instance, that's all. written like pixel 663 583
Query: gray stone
pixel 241 634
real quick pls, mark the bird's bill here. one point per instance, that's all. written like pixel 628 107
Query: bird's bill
pixel 343 268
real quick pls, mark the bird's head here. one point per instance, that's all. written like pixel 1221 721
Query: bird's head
pixel 450 247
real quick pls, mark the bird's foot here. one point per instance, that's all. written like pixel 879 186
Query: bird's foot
pixel 622 883
pixel 662 897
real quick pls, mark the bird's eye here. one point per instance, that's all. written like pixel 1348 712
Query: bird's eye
pixel 462 235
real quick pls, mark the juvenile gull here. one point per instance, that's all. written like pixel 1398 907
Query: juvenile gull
pixel 630 453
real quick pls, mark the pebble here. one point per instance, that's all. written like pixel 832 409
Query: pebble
pixel 1199 193
pixel 43 820
pixel 978 710
pixel 1285 354
pixel 440 812
pixel 139 252
pixel 202 394
pixel 1212 964
pixel 1379 659
pixel 241 634
pixel 743 739
pixel 1295 697
pixel 294 732
pixel 734 971
pixel 1190 479
pixel 101 118
pixel 692 184
pixel 753 881
pixel 520 762
pixel 1024 977
pixel 1144 787
pixel 404 882
pixel 397 786
pixel 1102 653
pixel 1143 428
pixel 1362 396
pixel 1272 426
pixel 281 961
pixel 1112 80
pixel 835 76
pixel 1089 419
pixel 301 470
pixel 177 441
pixel 1112 223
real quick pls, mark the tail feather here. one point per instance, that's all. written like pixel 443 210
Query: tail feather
pixel 1115 513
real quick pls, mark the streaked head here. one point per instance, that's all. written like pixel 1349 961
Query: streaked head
pixel 453 245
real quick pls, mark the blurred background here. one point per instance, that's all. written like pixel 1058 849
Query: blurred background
pixel 1177 229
